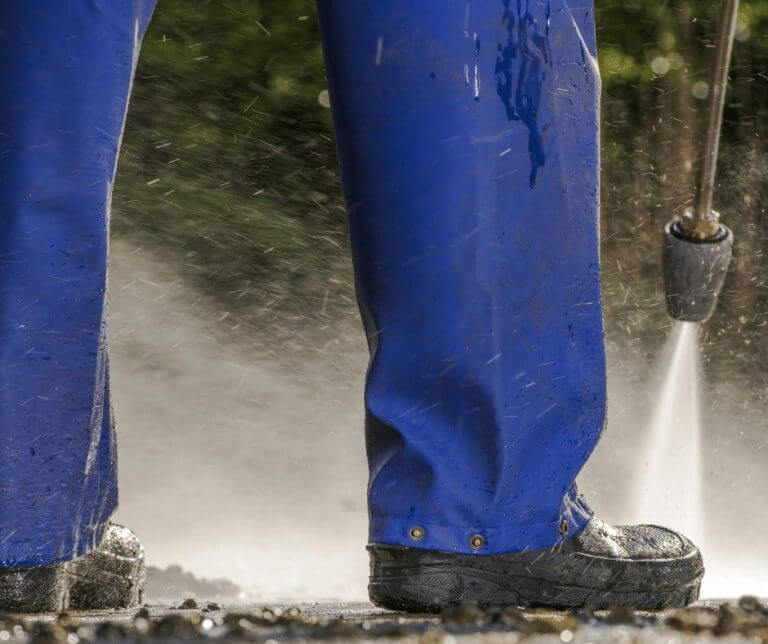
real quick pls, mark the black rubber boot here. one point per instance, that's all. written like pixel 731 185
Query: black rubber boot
pixel 642 567
pixel 111 576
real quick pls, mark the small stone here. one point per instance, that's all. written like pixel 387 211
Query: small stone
pixel 48 634
pixel 469 614
pixel 176 627
pixel 111 632
pixel 726 622
pixel 749 603
pixel 188 603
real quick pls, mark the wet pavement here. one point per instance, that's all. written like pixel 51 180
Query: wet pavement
pixel 734 621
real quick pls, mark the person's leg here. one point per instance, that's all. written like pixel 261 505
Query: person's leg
pixel 468 142
pixel 65 72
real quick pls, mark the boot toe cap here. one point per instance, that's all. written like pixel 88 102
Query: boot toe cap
pixel 633 542
pixel 656 542
pixel 112 575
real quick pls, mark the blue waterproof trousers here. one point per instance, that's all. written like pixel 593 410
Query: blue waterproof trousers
pixel 468 139
pixel 467 133
pixel 65 72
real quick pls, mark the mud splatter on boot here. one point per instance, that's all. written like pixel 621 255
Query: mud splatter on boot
pixel 111 576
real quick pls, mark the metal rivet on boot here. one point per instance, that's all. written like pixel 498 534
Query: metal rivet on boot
pixel 417 533
pixel 477 541
pixel 563 528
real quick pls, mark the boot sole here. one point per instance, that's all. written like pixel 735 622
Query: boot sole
pixel 412 580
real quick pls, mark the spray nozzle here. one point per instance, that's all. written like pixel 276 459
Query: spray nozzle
pixel 694 268
pixel 697 247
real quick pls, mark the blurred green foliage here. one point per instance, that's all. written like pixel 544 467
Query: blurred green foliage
pixel 228 162
pixel 228 159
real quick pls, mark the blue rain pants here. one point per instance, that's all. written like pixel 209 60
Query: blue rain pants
pixel 65 75
pixel 468 140
pixel 467 133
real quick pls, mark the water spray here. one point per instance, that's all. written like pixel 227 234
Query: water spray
pixel 697 247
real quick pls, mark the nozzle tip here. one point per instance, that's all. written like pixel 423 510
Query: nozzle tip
pixel 694 271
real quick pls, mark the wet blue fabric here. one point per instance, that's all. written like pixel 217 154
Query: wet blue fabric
pixel 65 72
pixel 467 133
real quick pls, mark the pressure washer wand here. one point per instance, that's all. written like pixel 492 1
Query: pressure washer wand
pixel 697 247
pixel 702 225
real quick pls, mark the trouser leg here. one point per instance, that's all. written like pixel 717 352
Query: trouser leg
pixel 65 72
pixel 467 135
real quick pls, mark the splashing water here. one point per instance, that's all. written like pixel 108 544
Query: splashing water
pixel 669 486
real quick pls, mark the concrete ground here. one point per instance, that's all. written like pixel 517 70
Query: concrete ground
pixel 743 620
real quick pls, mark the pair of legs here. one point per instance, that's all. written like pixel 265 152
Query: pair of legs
pixel 468 142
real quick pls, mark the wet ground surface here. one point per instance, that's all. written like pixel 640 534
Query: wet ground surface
pixel 735 621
